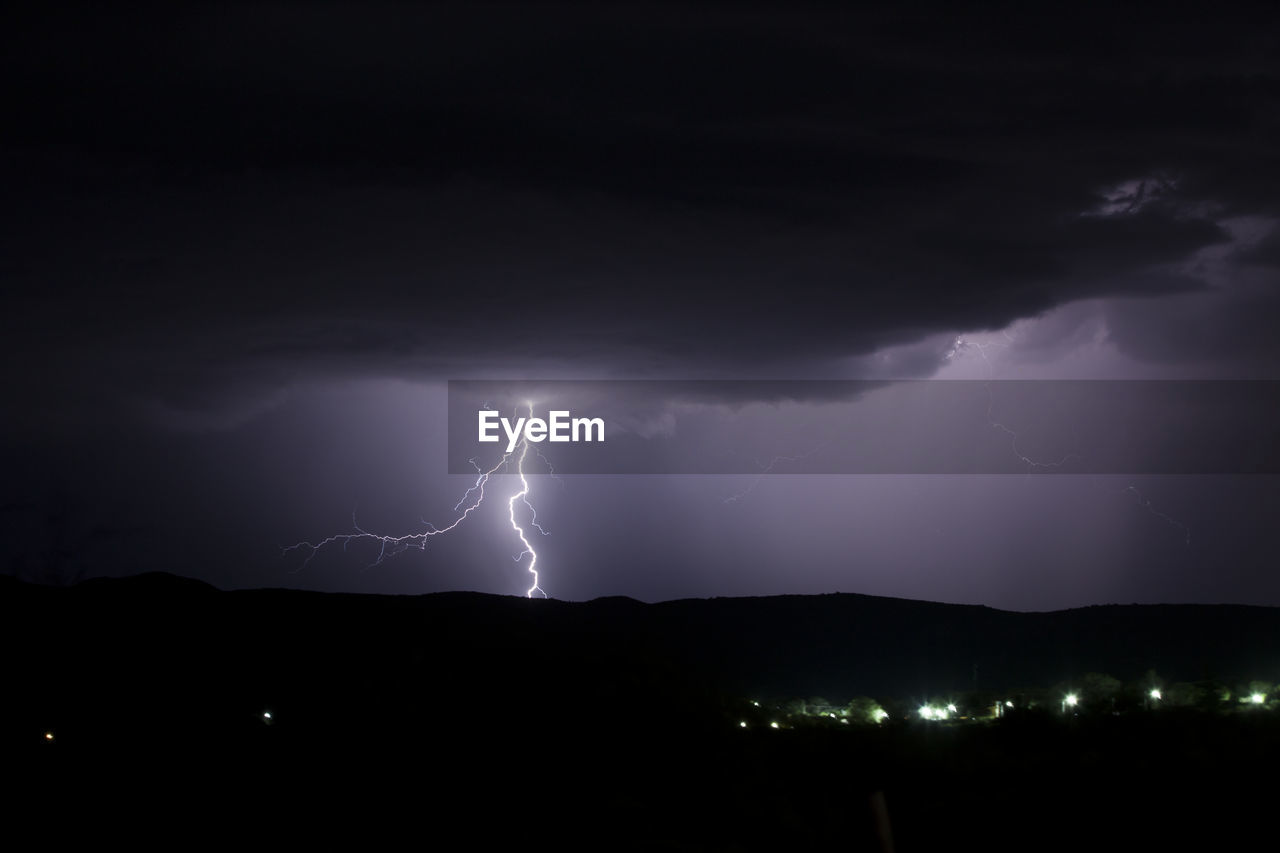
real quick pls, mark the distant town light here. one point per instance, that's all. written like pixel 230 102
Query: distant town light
pixel 926 712
pixel 1008 703
pixel 879 714
pixel 48 735
pixel 951 708
pixel 742 725
pixel 1072 699
pixel 1257 698
pixel 1155 693
pixel 773 725
pixel 266 715
pixel 754 702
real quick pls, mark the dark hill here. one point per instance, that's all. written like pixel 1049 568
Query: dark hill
pixel 842 645
pixel 123 644
pixel 603 724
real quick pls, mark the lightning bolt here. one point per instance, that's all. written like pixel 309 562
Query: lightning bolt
pixel 523 496
pixel 768 469
pixel 963 344
pixel 1167 519
pixel 389 546
pixel 958 349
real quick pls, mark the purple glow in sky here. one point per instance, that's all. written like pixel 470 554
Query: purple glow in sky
pixel 245 249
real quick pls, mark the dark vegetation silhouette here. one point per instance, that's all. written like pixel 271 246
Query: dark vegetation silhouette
pixel 619 724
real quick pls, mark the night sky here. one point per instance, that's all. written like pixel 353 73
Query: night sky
pixel 244 247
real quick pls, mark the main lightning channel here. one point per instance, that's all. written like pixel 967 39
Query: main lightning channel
pixel 523 495
pixel 389 546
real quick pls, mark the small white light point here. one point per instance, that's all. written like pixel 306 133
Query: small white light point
pixel 1072 699
pixel 754 702
pixel 951 709
pixel 1257 698
pixel 773 725
pixel 1008 703
pixel 742 725
pixel 1155 693
pixel 48 736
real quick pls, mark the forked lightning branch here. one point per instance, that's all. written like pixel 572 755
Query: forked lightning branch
pixel 560 426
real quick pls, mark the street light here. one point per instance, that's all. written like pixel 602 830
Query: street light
pixel 1071 700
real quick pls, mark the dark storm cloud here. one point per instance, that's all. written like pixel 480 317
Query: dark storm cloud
pixel 280 227
pixel 1266 253
pixel 211 203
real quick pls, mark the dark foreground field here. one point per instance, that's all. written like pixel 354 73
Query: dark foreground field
pixel 636 785
pixel 474 720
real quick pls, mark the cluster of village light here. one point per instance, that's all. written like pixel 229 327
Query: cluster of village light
pixel 932 712
pixel 938 712
pixel 879 715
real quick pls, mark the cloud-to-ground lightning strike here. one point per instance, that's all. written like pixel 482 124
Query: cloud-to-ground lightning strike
pixel 392 545
pixel 523 495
